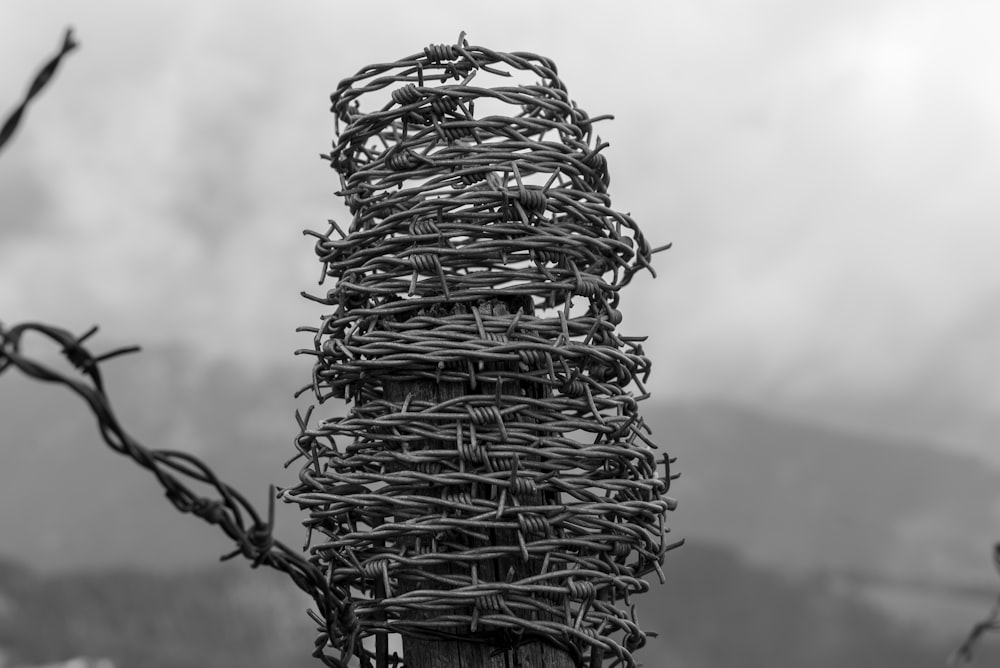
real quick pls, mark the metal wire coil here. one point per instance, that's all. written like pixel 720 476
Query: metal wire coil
pixel 483 257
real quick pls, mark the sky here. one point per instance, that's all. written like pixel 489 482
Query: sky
pixel 825 172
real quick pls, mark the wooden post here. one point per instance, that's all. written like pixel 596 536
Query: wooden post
pixel 422 653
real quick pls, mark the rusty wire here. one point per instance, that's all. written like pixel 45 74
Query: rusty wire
pixel 177 471
pixel 484 259
pixel 39 82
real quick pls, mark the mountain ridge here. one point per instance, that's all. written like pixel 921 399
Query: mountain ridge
pixel 715 610
pixel 787 494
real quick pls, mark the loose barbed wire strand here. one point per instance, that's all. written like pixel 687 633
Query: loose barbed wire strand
pixel 989 624
pixel 39 83
pixel 226 508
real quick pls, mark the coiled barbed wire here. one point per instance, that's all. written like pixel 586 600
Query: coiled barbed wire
pixel 493 479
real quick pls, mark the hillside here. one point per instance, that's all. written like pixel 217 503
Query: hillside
pixel 715 611
pixel 796 497
pixel 220 617
pixel 912 527
pixel 812 497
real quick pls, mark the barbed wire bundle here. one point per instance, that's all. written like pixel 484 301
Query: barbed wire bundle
pixel 493 479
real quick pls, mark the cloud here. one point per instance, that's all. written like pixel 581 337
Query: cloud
pixel 825 173
pixel 831 219
pixel 26 203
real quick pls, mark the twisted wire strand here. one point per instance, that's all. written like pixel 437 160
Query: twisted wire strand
pixel 483 254
pixel 237 518
pixel 228 509
pixel 39 83
pixel 989 624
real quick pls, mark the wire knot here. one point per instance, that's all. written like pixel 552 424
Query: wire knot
pixel 426 262
pixel 437 53
pixel 581 589
pixel 533 523
pixel 490 603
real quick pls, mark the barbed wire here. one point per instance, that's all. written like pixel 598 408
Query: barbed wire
pixel 990 623
pixel 230 510
pixel 493 480
pixel 227 508
pixel 41 79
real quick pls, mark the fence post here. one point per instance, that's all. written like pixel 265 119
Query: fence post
pixel 458 653
pixel 493 492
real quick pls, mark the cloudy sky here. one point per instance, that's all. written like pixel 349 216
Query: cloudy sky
pixel 826 172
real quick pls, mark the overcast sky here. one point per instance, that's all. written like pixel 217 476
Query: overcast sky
pixel 826 171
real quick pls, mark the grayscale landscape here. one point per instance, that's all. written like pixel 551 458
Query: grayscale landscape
pixel 823 330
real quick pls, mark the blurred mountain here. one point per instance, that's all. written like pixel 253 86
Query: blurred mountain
pixel 810 497
pixel 796 497
pixel 715 611
pixel 68 501
pixel 909 526
pixel 223 616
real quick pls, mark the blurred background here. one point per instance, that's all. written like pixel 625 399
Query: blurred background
pixel 824 330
